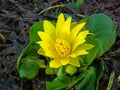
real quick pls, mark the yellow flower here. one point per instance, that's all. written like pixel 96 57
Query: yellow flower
pixel 62 43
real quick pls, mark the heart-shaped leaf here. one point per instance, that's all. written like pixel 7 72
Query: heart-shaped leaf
pixel 104 30
pixel 28 62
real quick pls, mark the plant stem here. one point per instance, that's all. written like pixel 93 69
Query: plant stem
pixel 76 81
pixel 21 84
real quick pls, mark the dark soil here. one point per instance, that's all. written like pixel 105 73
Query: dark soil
pixel 16 18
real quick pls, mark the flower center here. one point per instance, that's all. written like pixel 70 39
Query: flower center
pixel 62 47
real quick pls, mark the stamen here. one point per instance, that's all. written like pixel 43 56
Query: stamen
pixel 62 47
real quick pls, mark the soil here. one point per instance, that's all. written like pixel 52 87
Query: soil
pixel 16 18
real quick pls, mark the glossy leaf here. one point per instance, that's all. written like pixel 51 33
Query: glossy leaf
pixel 56 85
pixel 104 30
pixel 33 31
pixel 77 4
pixel 84 80
pixel 92 77
pixel 28 69
pixel 50 71
pixel 88 59
pixel 31 49
pixel 60 82
pixel 29 61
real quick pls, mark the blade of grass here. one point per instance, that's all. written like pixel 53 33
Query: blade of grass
pixel 56 6
pixel 111 80
pixel 80 15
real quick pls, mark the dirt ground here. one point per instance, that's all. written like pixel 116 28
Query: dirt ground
pixel 16 18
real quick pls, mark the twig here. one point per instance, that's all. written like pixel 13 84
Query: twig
pixel 16 4
pixel 115 52
pixel 15 17
pixel 103 59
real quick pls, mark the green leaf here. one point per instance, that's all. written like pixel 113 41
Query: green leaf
pixel 60 82
pixel 41 63
pixel 84 80
pixel 104 29
pixel 50 71
pixel 77 4
pixel 28 68
pixel 61 74
pixel 29 56
pixel 38 26
pixel 92 77
pixel 88 59
pixel 28 62
pixel 56 85
pixel 31 49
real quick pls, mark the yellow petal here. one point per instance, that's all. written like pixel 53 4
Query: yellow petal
pixel 75 62
pixel 76 29
pixel 44 44
pixel 41 52
pixel 84 46
pixel 80 39
pixel 45 37
pixel 83 34
pixel 50 53
pixel 64 61
pixel 55 64
pixel 65 29
pixel 48 49
pixel 77 43
pixel 47 44
pixel 49 28
pixel 78 53
pixel 59 23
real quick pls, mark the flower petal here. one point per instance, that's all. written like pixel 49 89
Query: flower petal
pixel 47 44
pixel 65 29
pixel 49 28
pixel 59 23
pixel 75 62
pixel 76 30
pixel 84 46
pixel 55 64
pixel 48 49
pixel 76 44
pixel 78 53
pixel 45 37
pixel 41 51
pixel 82 35
pixel 64 61
pixel 80 39
pixel 44 45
